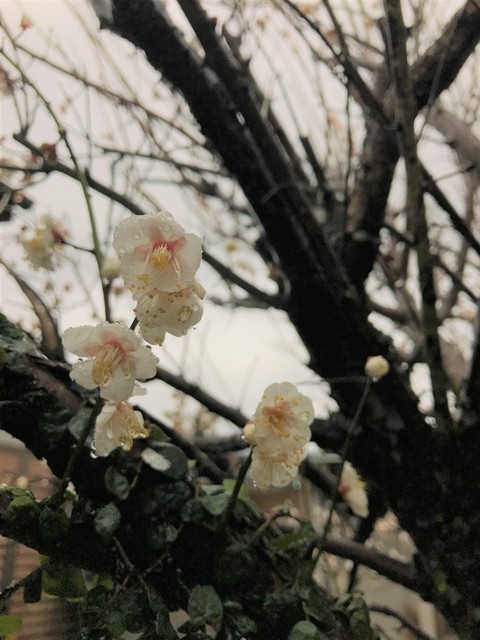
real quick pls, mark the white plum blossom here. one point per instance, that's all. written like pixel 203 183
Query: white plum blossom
pixel 279 431
pixel 39 246
pixel 352 490
pixel 283 417
pixel 175 312
pixel 156 253
pixel 376 367
pixel 115 359
pixel 273 468
pixel 117 425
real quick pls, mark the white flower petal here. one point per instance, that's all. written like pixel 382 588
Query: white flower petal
pixel 117 358
pixel 155 253
pixel 82 374
pixel 174 312
pixel 282 418
pixel 117 426
pixel 119 387
pixel 357 500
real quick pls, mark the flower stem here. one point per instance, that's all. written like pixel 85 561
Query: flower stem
pixel 343 455
pixel 236 489
pixel 57 498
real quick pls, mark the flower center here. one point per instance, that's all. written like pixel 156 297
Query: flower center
pixel 160 257
pixel 109 357
pixel 277 416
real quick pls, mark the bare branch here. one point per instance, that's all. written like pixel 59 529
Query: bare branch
pixel 403 573
pixel 386 611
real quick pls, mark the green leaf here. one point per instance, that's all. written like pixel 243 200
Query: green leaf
pixel 305 630
pixel 106 521
pixel 204 605
pixel 21 517
pixel 286 541
pixel 20 491
pixel 117 483
pixel 215 504
pixel 229 484
pixel 52 524
pixel 135 611
pixel 359 619
pixel 9 624
pixel 32 587
pixel 244 625
pixel 156 434
pixel 62 581
pixel 167 459
pixel 79 421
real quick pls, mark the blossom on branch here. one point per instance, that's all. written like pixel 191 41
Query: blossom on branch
pixel 352 490
pixel 39 247
pixel 279 430
pixel 115 359
pixel 274 468
pixel 117 425
pixel 175 312
pixel 156 253
pixel 283 417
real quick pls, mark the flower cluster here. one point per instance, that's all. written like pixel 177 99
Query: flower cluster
pixel 279 431
pixel 41 243
pixel 114 359
pixel 158 262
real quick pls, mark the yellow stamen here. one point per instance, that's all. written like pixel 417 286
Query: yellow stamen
pixel 107 359
pixel 160 257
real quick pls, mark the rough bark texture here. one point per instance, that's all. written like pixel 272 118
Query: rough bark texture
pixel 429 477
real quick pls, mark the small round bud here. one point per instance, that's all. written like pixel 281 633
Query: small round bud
pixel 376 367
pixel 111 268
pixel 249 433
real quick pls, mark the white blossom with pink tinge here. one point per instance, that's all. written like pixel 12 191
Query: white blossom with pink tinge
pixel 117 425
pixel 175 312
pixel 279 431
pixel 283 417
pixel 156 253
pixel 115 356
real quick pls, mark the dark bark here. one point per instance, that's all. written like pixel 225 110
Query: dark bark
pixel 431 74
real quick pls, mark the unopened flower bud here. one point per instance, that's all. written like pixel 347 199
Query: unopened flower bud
pixel 111 268
pixel 376 367
pixel 249 433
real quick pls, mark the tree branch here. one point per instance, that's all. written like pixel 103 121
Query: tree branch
pixel 405 111
pixel 230 276
pixel 432 73
pixel 403 573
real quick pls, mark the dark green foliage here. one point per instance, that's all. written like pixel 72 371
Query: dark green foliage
pixel 106 521
pixel 32 587
pixel 146 537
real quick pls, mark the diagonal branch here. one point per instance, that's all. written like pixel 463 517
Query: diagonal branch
pixel 403 573
pixel 230 276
